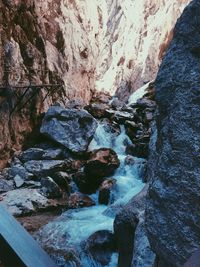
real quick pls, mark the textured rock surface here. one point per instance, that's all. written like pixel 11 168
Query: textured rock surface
pixel 173 212
pixel 143 256
pixel 102 45
pixel 125 225
pixel 25 201
pixel 72 128
pixel 100 246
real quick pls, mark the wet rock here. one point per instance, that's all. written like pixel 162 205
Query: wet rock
pixel 46 167
pixel 72 128
pixel 100 246
pixel 173 211
pixel 78 200
pixel 50 188
pixel 143 256
pixel 19 182
pixel 105 191
pixel 102 162
pixel 125 225
pixel 6 185
pixel 62 179
pixel 140 150
pixel 129 160
pixel 25 201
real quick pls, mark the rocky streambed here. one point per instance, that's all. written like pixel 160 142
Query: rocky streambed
pixel 87 165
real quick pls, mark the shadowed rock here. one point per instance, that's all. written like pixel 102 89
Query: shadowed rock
pixel 173 210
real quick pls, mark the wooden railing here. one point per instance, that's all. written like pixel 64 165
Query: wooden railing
pixel 17 247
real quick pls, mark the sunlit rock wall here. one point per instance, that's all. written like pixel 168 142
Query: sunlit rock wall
pixel 85 45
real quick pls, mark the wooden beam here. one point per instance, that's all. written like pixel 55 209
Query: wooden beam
pixel 17 247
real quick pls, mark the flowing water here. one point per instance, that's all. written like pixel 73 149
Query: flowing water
pixel 75 226
pixel 66 233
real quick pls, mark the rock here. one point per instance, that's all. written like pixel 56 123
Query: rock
pixel 97 110
pixel 53 153
pixel 143 256
pixel 129 160
pixel 31 154
pixel 119 116
pixel 72 128
pixel 144 103
pixel 77 103
pixel 173 212
pixel 78 200
pixel 19 182
pixel 46 167
pixel 25 201
pixel 100 246
pixel 51 47
pixel 125 225
pixel 101 97
pixel 50 188
pixel 21 171
pixel 62 179
pixel 6 185
pixel 102 162
pixel 105 191
pixel 140 150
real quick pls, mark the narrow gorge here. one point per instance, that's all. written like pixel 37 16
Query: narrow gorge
pixel 99 130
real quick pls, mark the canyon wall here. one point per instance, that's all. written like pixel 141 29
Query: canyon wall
pixel 84 46
pixel 173 210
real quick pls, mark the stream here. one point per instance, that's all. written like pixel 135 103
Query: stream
pixel 67 232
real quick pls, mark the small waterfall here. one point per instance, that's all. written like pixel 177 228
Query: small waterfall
pixel 75 226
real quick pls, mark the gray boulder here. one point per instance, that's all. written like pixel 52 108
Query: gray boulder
pixel 6 185
pixel 39 154
pixel 72 128
pixel 25 201
pixel 173 210
pixel 46 167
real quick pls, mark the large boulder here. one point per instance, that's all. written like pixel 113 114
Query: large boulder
pixel 102 162
pixel 173 210
pixel 125 225
pixel 25 201
pixel 100 246
pixel 72 128
pixel 46 167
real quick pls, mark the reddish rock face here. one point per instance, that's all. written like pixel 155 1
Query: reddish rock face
pixel 102 162
pixel 46 42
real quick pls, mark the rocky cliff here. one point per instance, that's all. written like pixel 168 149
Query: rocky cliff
pixel 83 46
pixel 172 213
